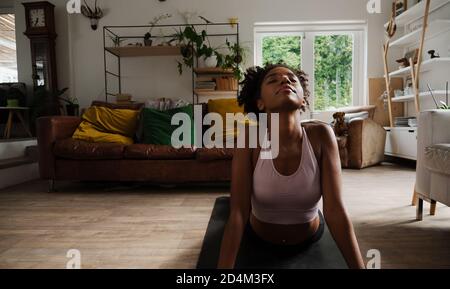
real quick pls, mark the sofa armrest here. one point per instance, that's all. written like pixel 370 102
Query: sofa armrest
pixel 50 129
pixel 366 143
pixel 432 129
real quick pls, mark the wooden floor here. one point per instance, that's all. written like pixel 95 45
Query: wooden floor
pixel 117 226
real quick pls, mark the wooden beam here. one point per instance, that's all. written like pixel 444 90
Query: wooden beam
pixel 419 63
pixel 387 80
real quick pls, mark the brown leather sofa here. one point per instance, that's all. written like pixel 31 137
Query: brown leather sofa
pixel 64 158
pixel 364 145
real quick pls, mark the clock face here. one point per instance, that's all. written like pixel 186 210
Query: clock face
pixel 37 18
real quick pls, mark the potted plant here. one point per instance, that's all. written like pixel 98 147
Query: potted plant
pixel 13 96
pixel 147 37
pixel 45 102
pixel 233 59
pixel 72 106
pixel 195 45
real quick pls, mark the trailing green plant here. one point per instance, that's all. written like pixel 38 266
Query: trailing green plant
pixel 233 59
pixel 73 101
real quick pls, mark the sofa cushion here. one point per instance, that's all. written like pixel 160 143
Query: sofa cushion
pixel 82 150
pixel 437 158
pixel 157 152
pixel 89 132
pixel 223 106
pixel 212 154
pixel 132 106
pixel 104 124
pixel 158 128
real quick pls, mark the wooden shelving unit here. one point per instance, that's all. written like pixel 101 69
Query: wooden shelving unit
pixel 130 33
pixel 212 70
pixel 215 93
pixel 136 51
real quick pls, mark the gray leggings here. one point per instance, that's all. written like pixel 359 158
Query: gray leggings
pixel 255 252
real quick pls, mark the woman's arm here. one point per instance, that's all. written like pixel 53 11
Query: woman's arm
pixel 241 186
pixel 335 215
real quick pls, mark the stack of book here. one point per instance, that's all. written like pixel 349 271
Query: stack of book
pixel 123 98
pixel 404 121
pixel 205 84
pixel 227 83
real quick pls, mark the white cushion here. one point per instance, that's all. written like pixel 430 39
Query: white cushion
pixel 437 158
pixel 356 115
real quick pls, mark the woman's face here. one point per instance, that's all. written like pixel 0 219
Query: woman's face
pixel 281 90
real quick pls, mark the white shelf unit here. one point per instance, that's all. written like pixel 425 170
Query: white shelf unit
pixel 427 65
pixel 402 141
pixel 405 98
pixel 415 12
pixel 435 28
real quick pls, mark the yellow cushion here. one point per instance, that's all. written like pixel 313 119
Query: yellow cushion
pixel 103 124
pixel 121 121
pixel 224 106
pixel 88 132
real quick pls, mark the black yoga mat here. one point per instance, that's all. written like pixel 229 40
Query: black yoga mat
pixel 323 254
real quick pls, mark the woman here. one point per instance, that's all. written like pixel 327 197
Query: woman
pixel 279 198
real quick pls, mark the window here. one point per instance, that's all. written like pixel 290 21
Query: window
pixel 332 55
pixel 8 59
pixel 282 48
pixel 333 63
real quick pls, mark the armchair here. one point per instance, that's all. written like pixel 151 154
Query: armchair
pixel 433 160
pixel 365 142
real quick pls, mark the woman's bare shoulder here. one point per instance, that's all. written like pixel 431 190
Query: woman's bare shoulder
pixel 320 134
pixel 317 128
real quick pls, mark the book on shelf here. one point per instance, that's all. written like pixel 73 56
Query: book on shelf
pixel 123 97
pixel 205 78
pixel 405 121
pixel 211 85
pixel 227 83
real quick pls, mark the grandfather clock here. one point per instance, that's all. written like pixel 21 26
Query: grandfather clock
pixel 40 20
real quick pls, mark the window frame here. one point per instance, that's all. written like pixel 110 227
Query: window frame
pixel 7 10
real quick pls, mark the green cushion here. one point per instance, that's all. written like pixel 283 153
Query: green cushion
pixel 157 127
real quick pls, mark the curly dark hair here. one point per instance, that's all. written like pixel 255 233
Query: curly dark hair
pixel 251 86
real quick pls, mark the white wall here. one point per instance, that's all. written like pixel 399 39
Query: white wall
pixel 7 4
pixel 158 77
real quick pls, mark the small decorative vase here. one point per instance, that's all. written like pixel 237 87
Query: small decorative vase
pixel 148 42
pixel 210 61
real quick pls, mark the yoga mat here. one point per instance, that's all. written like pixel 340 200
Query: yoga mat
pixel 323 254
